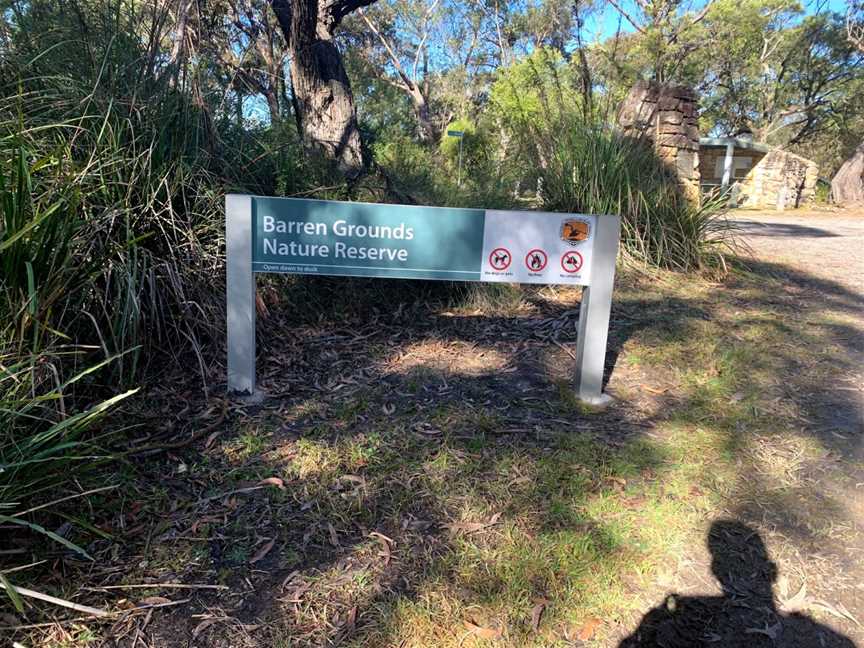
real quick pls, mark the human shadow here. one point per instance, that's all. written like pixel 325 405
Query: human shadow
pixel 744 615
pixel 362 348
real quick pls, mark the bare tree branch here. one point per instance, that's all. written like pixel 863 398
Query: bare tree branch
pixel 341 8
pixel 855 24
pixel 629 18
pixel 701 15
pixel 393 58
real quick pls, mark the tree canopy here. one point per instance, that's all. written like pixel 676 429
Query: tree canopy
pixel 791 73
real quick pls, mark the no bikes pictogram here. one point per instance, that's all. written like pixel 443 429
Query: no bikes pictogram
pixel 536 260
pixel 571 261
pixel 500 259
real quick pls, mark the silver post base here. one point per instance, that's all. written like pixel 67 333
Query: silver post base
pixel 601 402
pixel 257 397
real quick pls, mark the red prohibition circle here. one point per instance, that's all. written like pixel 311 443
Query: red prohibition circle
pixel 528 259
pixel 500 259
pixel 571 261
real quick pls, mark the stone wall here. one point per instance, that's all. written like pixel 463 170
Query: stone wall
pixel 780 180
pixel 668 117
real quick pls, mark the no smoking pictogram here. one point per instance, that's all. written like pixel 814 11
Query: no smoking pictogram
pixel 536 260
pixel 500 258
pixel 571 261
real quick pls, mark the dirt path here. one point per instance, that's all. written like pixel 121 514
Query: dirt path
pixel 829 245
pixel 818 258
pixel 826 250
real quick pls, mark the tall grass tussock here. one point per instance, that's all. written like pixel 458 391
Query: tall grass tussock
pixel 109 256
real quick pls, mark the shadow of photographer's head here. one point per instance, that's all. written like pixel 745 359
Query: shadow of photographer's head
pixel 740 561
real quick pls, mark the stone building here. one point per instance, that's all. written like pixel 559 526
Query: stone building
pixel 760 176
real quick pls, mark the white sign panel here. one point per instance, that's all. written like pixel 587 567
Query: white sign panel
pixel 538 247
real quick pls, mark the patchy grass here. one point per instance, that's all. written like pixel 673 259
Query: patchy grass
pixel 440 488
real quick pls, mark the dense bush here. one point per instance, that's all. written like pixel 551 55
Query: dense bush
pixel 599 171
pixel 111 188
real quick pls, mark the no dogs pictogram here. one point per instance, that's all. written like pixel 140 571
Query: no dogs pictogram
pixel 500 258
pixel 571 261
pixel 536 260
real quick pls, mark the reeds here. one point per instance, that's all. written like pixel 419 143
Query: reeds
pixel 109 255
pixel 597 170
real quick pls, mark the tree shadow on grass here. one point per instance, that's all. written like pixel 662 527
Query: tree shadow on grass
pixel 372 440
pixel 809 333
pixel 376 506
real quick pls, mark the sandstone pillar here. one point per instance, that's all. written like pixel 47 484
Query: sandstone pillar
pixel 667 116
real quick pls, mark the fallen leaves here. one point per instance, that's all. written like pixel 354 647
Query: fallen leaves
pixel 263 551
pixel 351 618
pixel 385 543
pixel 418 526
pixel 201 627
pixel 483 632
pixel 796 603
pixel 537 615
pixel 334 537
pixel 472 527
pixel 153 600
pixel 617 483
pixel 426 429
pixel 588 629
pixel 272 481
pixel 652 390
pixel 801 602
pixel 772 631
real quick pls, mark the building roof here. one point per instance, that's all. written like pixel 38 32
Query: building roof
pixel 737 142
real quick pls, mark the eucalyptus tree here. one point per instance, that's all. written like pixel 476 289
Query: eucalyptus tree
pixel 396 37
pixel 666 32
pixel 251 48
pixel 855 23
pixel 322 90
pixel 768 68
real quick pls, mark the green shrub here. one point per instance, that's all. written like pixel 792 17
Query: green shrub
pixel 110 254
pixel 599 171
pixel 45 264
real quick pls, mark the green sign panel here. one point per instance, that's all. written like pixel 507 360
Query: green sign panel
pixel 298 236
pixel 366 240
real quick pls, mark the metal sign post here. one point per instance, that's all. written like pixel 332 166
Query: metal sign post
pixel 461 136
pixel 240 288
pixel 294 236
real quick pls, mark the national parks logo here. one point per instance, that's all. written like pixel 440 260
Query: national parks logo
pixel 575 230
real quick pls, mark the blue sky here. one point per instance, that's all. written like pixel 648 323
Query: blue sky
pixel 604 24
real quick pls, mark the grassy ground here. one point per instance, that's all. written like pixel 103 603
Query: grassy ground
pixel 429 479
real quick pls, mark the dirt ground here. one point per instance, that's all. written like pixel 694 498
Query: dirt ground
pixel 420 478
pixel 826 244
pixel 823 247
pixel 819 258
